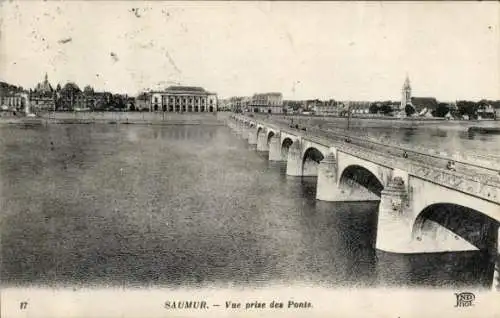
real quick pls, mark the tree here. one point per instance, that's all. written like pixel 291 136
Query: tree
pixel 441 110
pixel 88 90
pixel 118 102
pixel 374 108
pixel 386 108
pixel 67 97
pixel 409 110
pixel 468 108
pixel 71 88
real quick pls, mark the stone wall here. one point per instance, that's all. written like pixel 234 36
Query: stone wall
pixel 131 117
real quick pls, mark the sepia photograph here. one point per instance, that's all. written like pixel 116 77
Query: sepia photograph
pixel 249 159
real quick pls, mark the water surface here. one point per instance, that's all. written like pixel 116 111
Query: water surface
pixel 135 205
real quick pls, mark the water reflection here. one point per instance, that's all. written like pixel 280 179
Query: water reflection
pixel 447 269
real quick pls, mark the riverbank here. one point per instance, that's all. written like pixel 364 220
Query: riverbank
pixel 117 118
pixel 393 123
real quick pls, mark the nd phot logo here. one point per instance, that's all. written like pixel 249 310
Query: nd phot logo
pixel 465 299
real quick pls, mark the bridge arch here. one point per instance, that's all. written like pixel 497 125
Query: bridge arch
pixel 285 147
pixel 310 161
pixel 270 135
pixel 448 221
pixel 358 177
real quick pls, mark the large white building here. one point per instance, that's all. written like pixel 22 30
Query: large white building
pixel 183 99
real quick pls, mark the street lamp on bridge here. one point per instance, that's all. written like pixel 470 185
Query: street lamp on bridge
pixel 348 115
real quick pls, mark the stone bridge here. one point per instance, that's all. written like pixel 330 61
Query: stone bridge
pixel 424 208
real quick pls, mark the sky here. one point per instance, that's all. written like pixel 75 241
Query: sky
pixel 340 50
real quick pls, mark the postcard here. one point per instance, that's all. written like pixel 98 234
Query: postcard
pixel 249 159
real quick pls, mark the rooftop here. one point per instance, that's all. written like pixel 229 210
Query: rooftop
pixel 269 94
pixel 186 88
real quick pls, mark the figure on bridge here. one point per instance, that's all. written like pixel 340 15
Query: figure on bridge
pixel 451 166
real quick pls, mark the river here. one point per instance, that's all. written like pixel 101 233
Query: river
pixel 138 205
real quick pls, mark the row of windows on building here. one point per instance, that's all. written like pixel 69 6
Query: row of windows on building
pixel 16 101
pixel 183 108
pixel 171 103
pixel 182 100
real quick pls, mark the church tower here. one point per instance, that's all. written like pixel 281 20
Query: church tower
pixel 406 94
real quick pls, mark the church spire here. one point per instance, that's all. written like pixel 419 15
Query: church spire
pixel 405 94
pixel 46 79
pixel 407 82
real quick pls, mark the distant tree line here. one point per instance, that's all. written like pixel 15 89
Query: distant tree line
pixel 462 108
pixel 384 108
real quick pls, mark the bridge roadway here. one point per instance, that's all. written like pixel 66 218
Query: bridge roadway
pixel 485 172
pixel 424 207
pixel 471 164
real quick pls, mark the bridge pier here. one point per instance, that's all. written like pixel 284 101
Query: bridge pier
pixel 393 230
pixel 309 168
pixel 239 128
pixel 244 132
pixel 294 161
pixel 275 149
pixel 252 138
pixel 399 232
pixel 262 141
pixel 327 188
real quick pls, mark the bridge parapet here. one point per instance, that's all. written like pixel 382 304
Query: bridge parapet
pixel 483 186
pixel 488 168
pixel 465 158
pixel 474 185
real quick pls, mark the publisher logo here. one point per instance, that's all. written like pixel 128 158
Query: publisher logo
pixel 465 299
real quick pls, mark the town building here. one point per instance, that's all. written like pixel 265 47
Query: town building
pixel 424 106
pixel 99 100
pixel 183 99
pixel 239 104
pixel 326 108
pixel 357 107
pixel 70 97
pixel 12 98
pixel 267 103
pixel 223 104
pixel 43 97
pixel 486 111
pixel 245 103
pixel 129 102
pixel 293 106
pixel 143 101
